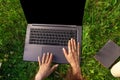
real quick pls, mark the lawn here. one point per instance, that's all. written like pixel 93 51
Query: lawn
pixel 101 22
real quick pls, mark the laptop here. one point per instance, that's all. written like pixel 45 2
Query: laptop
pixel 50 25
pixel 108 54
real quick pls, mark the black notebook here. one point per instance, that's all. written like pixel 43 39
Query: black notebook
pixel 108 54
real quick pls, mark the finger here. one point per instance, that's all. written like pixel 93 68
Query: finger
pixel 43 58
pixel 69 46
pixel 47 57
pixel 50 58
pixel 39 61
pixel 65 52
pixel 78 50
pixel 74 42
pixel 53 68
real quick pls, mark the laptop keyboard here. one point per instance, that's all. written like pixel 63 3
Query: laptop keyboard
pixel 51 36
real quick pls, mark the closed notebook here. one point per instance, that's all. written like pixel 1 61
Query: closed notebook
pixel 108 54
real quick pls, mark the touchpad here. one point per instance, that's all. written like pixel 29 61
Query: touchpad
pixel 58 55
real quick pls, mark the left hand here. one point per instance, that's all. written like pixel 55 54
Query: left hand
pixel 45 68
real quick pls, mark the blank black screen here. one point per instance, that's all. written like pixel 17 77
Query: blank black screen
pixel 53 12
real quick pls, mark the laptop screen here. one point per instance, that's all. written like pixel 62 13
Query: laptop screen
pixel 53 12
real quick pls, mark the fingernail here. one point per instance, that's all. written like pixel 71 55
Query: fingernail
pixel 47 53
pixel 38 58
pixel 56 65
pixel 63 49
pixel 51 54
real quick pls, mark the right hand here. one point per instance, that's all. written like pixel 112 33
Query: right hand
pixel 72 55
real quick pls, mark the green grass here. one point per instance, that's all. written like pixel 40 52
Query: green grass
pixel 101 22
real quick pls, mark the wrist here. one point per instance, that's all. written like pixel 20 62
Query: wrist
pixel 75 65
pixel 38 78
pixel 77 73
pixel 76 69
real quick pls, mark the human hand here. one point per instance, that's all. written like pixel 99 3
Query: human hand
pixel 72 55
pixel 45 68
